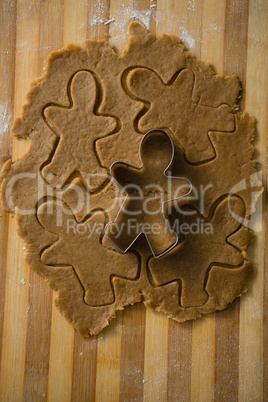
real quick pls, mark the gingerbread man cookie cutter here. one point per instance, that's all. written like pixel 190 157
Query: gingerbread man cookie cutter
pixel 126 165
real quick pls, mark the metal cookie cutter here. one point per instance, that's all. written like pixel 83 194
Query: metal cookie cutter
pixel 136 169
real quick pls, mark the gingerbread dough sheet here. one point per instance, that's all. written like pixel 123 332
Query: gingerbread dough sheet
pixel 92 167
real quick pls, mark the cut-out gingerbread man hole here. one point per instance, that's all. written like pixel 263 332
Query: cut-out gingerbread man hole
pixel 78 126
pixel 79 245
pixel 151 192
pixel 206 241
pixel 188 121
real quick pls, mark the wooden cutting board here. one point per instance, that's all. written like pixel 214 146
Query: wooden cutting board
pixel 142 355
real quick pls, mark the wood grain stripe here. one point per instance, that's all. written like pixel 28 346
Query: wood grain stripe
pixel 80 24
pixel 227 322
pixel 203 359
pixel 61 357
pixel 75 23
pixel 40 295
pixel 251 312
pixel 3 251
pixel 235 41
pixel 7 72
pixel 108 362
pixel 84 368
pixel 155 356
pixel 192 33
pixel 204 335
pixel 265 301
pixel 212 39
pixel 227 353
pixel 17 279
pixel 132 353
pixel 170 15
pixel 37 347
pixel 77 29
pixel 97 14
pixel 179 361
pixel 15 325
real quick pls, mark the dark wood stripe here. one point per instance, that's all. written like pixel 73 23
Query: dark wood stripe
pixel 84 368
pixel 179 361
pixel 132 353
pixel 7 73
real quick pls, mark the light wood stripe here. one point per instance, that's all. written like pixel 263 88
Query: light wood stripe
pixel 15 324
pixel 84 26
pixel 251 340
pixel 132 353
pixel 191 34
pixel 203 356
pixel 251 312
pixel 4 248
pixel 37 347
pixel 179 361
pixel 174 18
pixel 265 306
pixel 40 295
pixel 7 72
pixel 98 11
pixel 108 362
pixel 75 29
pixel 17 277
pixel 51 15
pixel 234 44
pixel 208 46
pixel 227 353
pixel 170 14
pixel 212 35
pixel 156 354
pixel 155 357
pixel 61 358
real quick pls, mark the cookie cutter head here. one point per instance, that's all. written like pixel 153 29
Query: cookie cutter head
pixel 124 250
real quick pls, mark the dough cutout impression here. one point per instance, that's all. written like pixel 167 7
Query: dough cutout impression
pixel 79 126
pixel 91 109
pixel 146 203
pixel 101 262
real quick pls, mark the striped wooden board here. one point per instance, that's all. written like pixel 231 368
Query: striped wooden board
pixel 142 355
